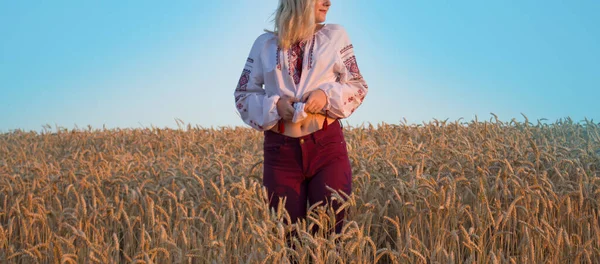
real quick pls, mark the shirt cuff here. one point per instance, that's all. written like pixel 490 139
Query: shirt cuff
pixel 327 103
pixel 272 110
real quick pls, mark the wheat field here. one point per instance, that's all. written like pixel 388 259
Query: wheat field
pixel 439 192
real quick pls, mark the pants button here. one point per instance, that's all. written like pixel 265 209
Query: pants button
pixel 301 141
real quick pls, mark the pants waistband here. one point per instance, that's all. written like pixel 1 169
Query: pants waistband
pixel 334 127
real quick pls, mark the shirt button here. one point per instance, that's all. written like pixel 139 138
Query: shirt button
pixel 301 141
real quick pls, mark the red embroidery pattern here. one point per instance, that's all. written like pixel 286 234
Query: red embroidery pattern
pixel 361 95
pixel 295 58
pixel 239 97
pixel 277 58
pixel 312 47
pixel 243 82
pixel 239 104
pixel 347 48
pixel 352 67
pixel 252 122
pixel 358 98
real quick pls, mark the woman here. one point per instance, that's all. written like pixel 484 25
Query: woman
pixel 311 80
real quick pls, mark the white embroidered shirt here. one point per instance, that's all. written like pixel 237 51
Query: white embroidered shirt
pixel 328 63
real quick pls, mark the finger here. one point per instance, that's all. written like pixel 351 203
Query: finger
pixel 288 99
pixel 305 97
pixel 290 113
pixel 315 109
pixel 289 108
pixel 308 108
pixel 311 106
pixel 308 102
pixel 317 106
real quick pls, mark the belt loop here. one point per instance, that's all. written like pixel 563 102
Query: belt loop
pixel 281 126
pixel 325 121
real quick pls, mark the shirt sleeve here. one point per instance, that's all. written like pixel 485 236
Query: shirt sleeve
pixel 255 107
pixel 349 90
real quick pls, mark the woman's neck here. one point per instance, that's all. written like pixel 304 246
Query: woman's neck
pixel 318 27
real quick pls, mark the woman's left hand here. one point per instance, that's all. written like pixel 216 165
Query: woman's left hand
pixel 314 101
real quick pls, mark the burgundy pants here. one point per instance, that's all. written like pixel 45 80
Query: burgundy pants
pixel 300 168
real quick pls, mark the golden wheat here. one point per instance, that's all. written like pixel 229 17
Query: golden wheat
pixel 491 191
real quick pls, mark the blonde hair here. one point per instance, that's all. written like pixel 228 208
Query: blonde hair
pixel 294 21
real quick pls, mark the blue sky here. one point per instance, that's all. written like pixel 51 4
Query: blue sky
pixel 145 63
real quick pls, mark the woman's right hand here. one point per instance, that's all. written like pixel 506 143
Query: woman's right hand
pixel 285 108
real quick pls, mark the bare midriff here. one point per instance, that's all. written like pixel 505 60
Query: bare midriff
pixel 310 124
